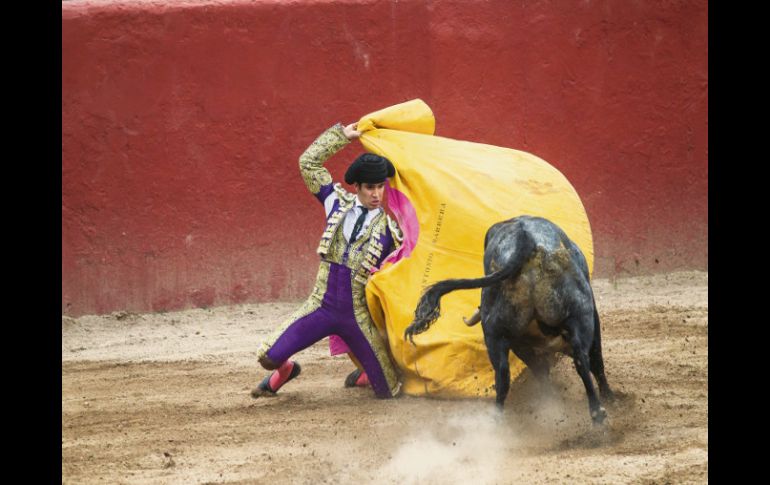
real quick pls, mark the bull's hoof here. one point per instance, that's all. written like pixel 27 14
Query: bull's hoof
pixel 599 416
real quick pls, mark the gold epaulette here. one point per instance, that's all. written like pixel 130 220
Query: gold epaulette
pixel 345 197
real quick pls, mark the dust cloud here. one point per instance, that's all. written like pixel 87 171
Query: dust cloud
pixel 469 446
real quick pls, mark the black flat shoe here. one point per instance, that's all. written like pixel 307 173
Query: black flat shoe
pixel 352 378
pixel 264 389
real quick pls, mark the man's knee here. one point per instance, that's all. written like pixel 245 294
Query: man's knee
pixel 268 363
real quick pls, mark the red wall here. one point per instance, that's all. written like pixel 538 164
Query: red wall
pixel 182 125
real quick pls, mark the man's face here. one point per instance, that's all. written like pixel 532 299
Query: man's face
pixel 371 194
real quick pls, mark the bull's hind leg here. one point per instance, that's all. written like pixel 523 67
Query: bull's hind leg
pixel 597 362
pixel 498 349
pixel 581 333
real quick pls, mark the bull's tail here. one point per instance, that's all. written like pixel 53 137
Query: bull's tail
pixel 429 307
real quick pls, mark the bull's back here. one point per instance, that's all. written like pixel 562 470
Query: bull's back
pixel 503 240
pixel 551 278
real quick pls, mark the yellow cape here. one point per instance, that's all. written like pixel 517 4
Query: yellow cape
pixel 445 195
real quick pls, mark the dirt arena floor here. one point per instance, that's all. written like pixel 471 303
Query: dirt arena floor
pixel 164 398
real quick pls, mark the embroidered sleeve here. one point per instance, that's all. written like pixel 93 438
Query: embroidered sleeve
pixel 316 177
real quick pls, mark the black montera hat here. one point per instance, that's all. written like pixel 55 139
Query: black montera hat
pixel 369 168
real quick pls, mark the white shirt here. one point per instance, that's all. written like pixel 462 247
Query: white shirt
pixel 351 216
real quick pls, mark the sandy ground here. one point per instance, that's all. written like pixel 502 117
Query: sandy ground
pixel 164 398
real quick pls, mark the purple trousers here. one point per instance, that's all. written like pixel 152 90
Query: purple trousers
pixel 334 317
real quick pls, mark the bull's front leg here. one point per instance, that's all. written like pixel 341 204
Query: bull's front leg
pixel 537 364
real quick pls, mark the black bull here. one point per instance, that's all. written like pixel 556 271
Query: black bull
pixel 536 300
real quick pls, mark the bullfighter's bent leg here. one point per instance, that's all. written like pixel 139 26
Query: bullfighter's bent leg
pixel 355 327
pixel 301 334
pixel 298 336
pixel 364 353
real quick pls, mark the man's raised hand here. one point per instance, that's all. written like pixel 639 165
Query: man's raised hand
pixel 350 131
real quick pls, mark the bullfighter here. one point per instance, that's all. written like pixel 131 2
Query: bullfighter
pixel 359 235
